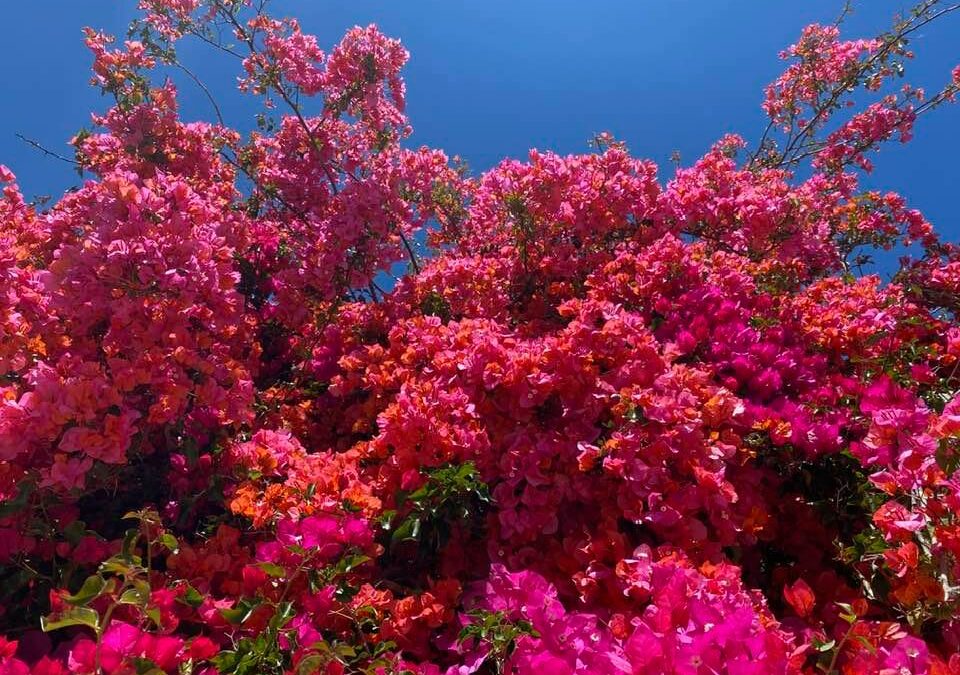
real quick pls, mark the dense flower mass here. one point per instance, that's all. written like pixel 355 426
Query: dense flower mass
pixel 608 423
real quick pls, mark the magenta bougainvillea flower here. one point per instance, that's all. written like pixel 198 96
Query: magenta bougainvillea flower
pixel 610 421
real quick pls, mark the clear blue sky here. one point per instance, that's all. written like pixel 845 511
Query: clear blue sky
pixel 492 78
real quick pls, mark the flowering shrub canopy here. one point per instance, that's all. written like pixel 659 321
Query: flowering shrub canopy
pixel 611 422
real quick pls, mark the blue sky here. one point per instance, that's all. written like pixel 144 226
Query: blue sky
pixel 491 79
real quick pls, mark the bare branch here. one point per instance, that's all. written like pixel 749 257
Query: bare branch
pixel 47 151
pixel 413 256
pixel 798 146
pixel 203 88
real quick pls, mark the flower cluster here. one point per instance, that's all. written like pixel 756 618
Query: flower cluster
pixel 822 61
pixel 609 424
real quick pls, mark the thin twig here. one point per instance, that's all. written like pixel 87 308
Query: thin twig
pixel 253 179
pixel 844 13
pixel 904 32
pixel 413 256
pixel 218 45
pixel 47 151
pixel 817 148
pixel 204 89
pixel 249 39
pixel 796 148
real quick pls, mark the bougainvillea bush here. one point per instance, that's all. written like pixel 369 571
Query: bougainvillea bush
pixel 308 400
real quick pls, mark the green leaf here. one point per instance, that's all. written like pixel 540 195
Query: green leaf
pixel 144 515
pixel 130 539
pixel 235 615
pixel 311 664
pixel 320 646
pixel 146 667
pixel 847 614
pixel 824 646
pixel 193 597
pixel 139 595
pixel 75 616
pixel 351 562
pixel 384 647
pixel 92 588
pixel 346 651
pixel 346 592
pixel 120 566
pixel 153 614
pixel 386 519
pixel 285 612
pixel 350 507
pixel 409 530
pixel 273 570
pixel 75 531
pixel 170 542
